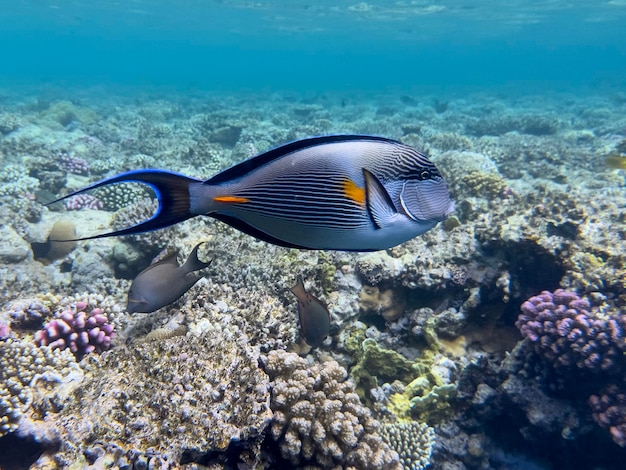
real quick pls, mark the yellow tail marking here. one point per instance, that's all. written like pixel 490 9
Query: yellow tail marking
pixel 234 199
pixel 353 192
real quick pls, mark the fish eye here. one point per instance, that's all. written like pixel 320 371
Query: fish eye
pixel 425 174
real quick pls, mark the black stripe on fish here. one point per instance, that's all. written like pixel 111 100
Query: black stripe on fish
pixel 321 200
pixel 247 166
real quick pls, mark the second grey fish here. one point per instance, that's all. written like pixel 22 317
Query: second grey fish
pixel 164 282
pixel 314 316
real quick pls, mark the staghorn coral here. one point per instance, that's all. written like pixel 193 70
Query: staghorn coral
pixel 319 419
pixel 413 441
pixel 567 331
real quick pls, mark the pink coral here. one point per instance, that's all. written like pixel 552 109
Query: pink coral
pixel 77 330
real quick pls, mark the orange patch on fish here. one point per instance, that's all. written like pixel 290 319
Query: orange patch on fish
pixel 353 192
pixel 234 199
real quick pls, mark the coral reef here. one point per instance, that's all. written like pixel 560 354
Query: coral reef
pixel 83 201
pixel 115 198
pixel 73 164
pixel 318 417
pixel 186 395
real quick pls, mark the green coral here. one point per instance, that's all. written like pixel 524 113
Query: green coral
pixel 376 365
pixel 425 398
pixel 424 395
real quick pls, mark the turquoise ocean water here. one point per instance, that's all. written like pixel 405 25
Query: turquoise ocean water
pixel 301 45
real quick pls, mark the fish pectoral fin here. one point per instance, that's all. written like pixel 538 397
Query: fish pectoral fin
pixel 379 204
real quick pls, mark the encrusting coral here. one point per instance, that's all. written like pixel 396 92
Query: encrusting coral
pixel 185 394
pixel 319 420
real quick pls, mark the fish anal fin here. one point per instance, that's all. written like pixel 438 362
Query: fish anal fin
pixel 379 203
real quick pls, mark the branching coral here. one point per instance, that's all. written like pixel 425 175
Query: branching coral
pixel 319 419
pixel 412 440
pixel 567 331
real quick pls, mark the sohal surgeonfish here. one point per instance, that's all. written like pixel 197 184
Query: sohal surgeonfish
pixel 313 314
pixel 163 282
pixel 345 192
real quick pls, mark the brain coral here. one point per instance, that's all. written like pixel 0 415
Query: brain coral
pixel 319 419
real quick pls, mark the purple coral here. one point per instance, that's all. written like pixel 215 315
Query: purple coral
pixel 609 411
pixel 77 330
pixel 75 165
pixel 83 201
pixel 5 330
pixel 568 332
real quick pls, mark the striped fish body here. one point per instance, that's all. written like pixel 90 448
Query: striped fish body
pixel 354 193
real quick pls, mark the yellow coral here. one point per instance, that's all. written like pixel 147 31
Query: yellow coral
pixel 484 184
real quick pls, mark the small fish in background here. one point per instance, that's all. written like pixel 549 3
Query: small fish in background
pixel 616 161
pixel 164 282
pixel 60 242
pixel 336 192
pixel 314 316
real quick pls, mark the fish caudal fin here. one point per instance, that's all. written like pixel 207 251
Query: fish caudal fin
pixel 193 263
pixel 172 192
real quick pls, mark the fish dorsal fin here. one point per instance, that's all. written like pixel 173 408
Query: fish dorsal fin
pixel 379 203
pixel 170 258
pixel 247 166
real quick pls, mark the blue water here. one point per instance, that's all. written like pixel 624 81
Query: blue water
pixel 315 45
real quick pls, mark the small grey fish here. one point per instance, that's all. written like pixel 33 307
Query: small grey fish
pixel 163 282
pixel 314 316
pixel 341 192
